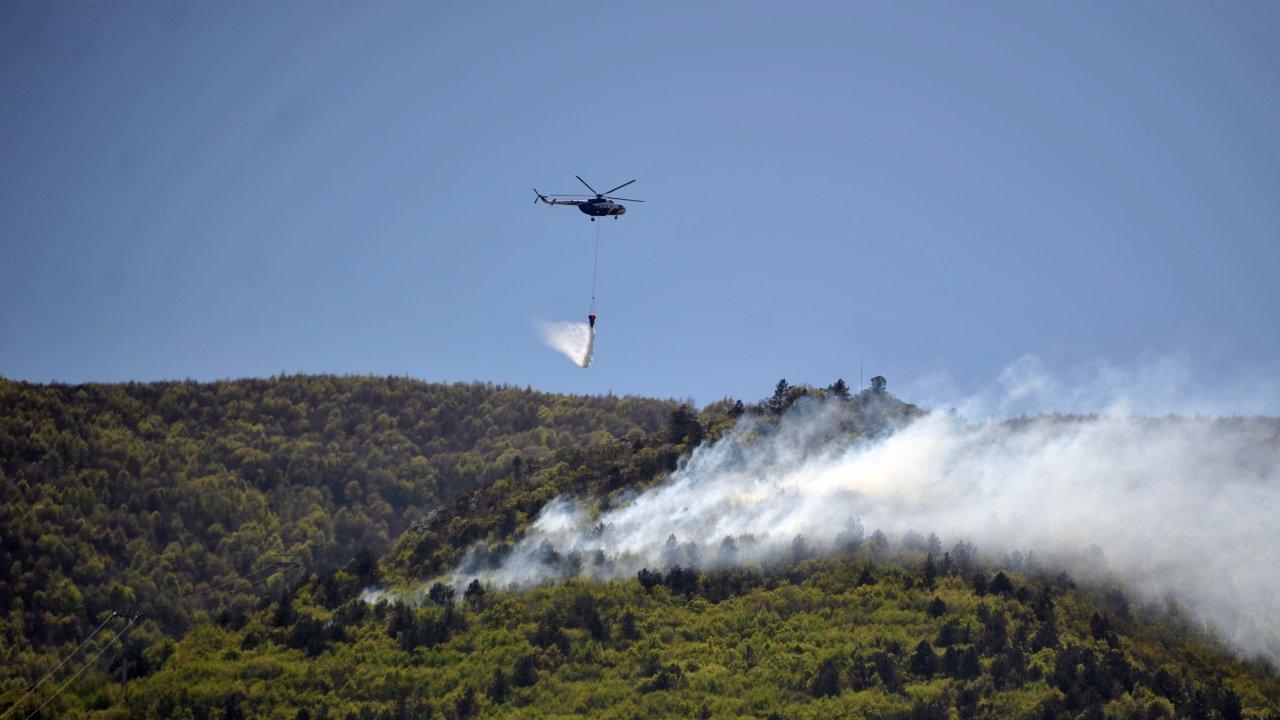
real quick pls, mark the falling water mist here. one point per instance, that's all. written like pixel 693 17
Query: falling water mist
pixel 574 340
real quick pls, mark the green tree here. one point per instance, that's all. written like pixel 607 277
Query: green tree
pixel 684 427
pixel 929 571
pixel 498 687
pixel 780 400
pixel 826 680
pixel 474 595
pixel 924 661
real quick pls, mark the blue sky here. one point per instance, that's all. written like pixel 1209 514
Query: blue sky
pixel 214 190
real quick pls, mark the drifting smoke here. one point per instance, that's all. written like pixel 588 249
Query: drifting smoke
pixel 1156 386
pixel 1182 506
pixel 575 341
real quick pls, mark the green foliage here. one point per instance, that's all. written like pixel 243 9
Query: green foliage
pixel 804 641
pixel 164 496
pixel 161 496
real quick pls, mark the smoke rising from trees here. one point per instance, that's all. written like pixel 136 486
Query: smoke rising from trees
pixel 1167 506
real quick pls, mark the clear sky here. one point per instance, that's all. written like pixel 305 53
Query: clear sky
pixel 213 190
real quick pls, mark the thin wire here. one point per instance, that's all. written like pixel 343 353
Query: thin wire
pixel 59 667
pixel 595 269
pixel 273 566
pixel 278 564
pixel 82 669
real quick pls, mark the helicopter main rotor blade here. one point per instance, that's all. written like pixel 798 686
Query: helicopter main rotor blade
pixel 584 182
pixel 626 199
pixel 606 192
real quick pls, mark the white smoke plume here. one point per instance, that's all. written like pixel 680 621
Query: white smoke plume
pixel 1154 386
pixel 574 340
pixel 1172 505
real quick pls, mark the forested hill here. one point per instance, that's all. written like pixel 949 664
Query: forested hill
pixel 181 502
pixel 160 496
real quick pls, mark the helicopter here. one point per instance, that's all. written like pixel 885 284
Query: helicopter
pixel 602 205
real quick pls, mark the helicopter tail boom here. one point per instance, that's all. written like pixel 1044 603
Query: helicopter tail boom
pixel 551 200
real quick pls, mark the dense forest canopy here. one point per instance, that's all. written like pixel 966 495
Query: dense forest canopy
pixel 225 537
pixel 162 495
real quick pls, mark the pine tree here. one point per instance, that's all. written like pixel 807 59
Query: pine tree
pixel 684 427
pixel 525 672
pixel 474 595
pixel 924 661
pixel 441 594
pixel 465 706
pixel 929 571
pixel 778 403
pixel 826 681
pixel 937 607
pixel 498 687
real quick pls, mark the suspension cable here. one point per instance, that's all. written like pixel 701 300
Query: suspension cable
pixel 595 269
pixel 59 666
pixel 84 667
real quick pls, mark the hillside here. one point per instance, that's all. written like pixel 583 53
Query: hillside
pixel 188 499
pixel 877 626
pixel 867 633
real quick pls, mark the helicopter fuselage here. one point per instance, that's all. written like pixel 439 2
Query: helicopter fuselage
pixel 599 207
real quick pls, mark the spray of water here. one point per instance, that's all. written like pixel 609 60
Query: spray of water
pixel 574 340
pixel 1171 505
